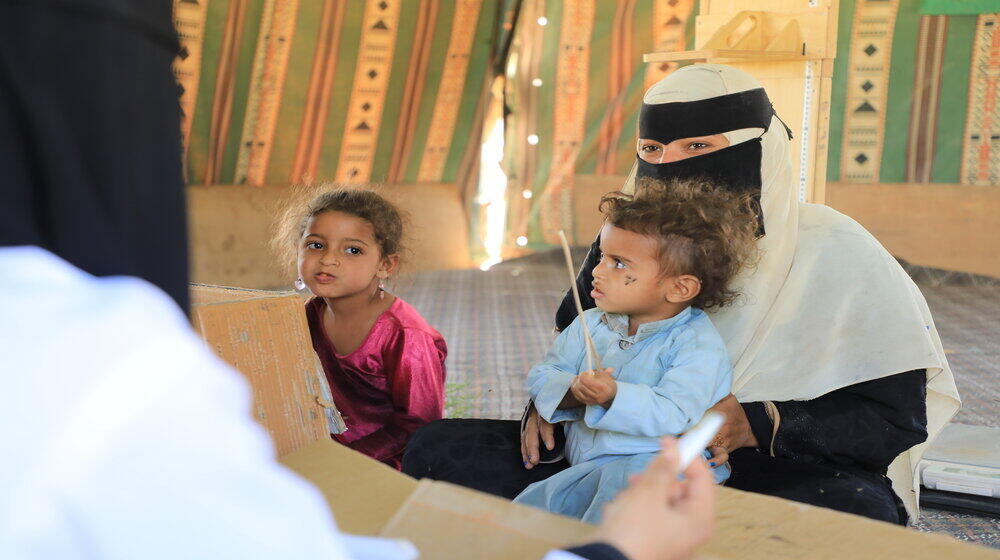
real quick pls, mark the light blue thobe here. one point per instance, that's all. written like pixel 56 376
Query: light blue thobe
pixel 668 374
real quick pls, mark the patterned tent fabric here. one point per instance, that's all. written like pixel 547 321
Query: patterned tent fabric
pixel 357 91
pixel 915 96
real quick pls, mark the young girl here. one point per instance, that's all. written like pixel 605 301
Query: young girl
pixel 668 253
pixel 384 363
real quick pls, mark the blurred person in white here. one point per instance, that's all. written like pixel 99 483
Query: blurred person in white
pixel 123 436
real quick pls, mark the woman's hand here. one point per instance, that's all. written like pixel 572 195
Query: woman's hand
pixel 734 434
pixel 659 517
pixel 535 429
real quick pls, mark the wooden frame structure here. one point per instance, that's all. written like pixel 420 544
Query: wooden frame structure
pixel 789 46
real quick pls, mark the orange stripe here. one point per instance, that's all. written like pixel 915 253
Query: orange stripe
pixel 614 72
pixel 315 76
pixel 222 102
pixel 323 101
pixel 415 78
pixel 625 71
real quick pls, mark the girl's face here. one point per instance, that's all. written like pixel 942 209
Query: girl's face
pixel 339 256
pixel 652 151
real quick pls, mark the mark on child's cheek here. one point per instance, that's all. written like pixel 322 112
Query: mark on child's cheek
pixel 629 279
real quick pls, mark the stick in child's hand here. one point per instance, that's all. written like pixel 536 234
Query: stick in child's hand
pixel 593 359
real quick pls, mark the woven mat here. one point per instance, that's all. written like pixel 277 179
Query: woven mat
pixel 498 323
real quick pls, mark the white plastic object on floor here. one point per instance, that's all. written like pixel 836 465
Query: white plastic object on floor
pixel 963 459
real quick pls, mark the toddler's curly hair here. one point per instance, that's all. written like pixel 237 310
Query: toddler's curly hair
pixel 702 229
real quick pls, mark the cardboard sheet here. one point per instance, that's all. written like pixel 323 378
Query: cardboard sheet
pixel 267 339
pixel 446 521
pixel 363 493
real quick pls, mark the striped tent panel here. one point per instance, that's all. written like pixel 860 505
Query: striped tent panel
pixel 931 107
pixel 574 89
pixel 286 91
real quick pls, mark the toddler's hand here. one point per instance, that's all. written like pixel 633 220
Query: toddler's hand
pixel 597 388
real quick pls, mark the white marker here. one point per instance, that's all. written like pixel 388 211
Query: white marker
pixel 692 443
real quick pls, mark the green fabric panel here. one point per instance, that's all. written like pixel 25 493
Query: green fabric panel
pixel 689 27
pixel 642 42
pixel 428 98
pixel 630 126
pixel 597 91
pixel 293 96
pixel 340 93
pixel 545 111
pixel 475 81
pixel 958 7
pixel 838 95
pixel 241 89
pixel 953 100
pixel 900 98
pixel 393 103
pixel 197 154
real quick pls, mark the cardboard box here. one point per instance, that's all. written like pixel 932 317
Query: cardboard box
pixel 265 335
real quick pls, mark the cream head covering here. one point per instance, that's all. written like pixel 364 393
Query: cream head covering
pixel 827 306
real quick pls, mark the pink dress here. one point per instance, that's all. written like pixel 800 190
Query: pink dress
pixel 392 384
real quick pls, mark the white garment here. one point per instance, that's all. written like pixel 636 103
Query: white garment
pixel 827 306
pixel 125 437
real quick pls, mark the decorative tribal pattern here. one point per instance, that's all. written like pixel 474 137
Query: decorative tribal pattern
pixel 371 82
pixel 981 149
pixel 669 19
pixel 270 65
pixel 570 116
pixel 867 87
pixel 449 94
pixel 189 20
pixel 926 92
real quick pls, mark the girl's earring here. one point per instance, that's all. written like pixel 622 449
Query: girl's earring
pixel 381 289
pixel 300 286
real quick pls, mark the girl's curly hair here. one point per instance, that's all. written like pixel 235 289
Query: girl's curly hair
pixel 307 202
pixel 702 229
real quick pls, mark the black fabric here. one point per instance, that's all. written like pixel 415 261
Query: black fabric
pixel 865 425
pixel 598 551
pixel 151 17
pixel 760 424
pixel 666 122
pixel 90 152
pixel 842 488
pixel 736 168
pixel 834 454
pixel 585 284
pixel 476 453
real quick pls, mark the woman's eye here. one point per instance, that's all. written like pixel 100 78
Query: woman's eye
pixel 649 148
pixel 619 264
pixel 314 245
pixel 353 250
pixel 697 146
